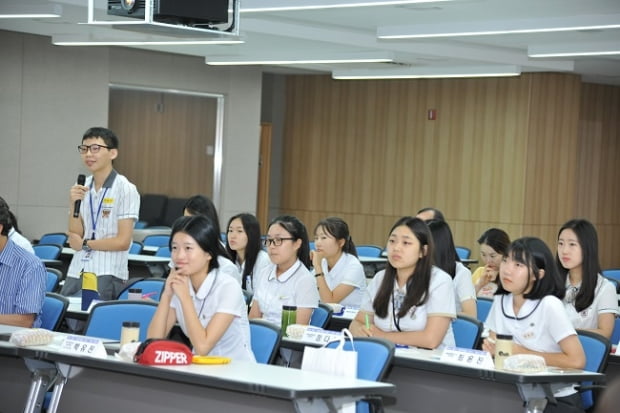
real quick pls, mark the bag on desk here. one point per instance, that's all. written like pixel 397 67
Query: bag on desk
pixel 163 352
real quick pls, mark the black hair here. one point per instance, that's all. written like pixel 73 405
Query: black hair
pixel 497 239
pixel 202 230
pixel 437 214
pixel 109 137
pixel 251 227
pixel 418 282
pixel 445 256
pixel 297 229
pixel 202 205
pixel 590 265
pixel 6 219
pixel 536 256
pixel 337 228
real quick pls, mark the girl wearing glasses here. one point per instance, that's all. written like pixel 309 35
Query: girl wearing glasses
pixel 207 304
pixel 287 281
pixel 590 299
pixel 339 274
pixel 528 306
pixel 243 244
pixel 411 302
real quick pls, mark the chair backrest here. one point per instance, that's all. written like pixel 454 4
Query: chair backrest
pixel 54 309
pixel 153 286
pixel 157 240
pixel 463 252
pixel 597 350
pixel 368 251
pixel 467 331
pixel 59 238
pixel 53 278
pixel 613 275
pixel 265 340
pixel 483 306
pixel 136 247
pixel 311 245
pixel 47 251
pixel 615 335
pixel 173 210
pixel 374 356
pixel 152 207
pixel 321 316
pixel 163 252
pixel 106 318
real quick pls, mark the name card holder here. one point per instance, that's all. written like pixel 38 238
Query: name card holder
pixel 319 336
pixel 84 346
pixel 349 312
pixel 467 357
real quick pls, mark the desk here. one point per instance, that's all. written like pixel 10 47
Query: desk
pixel 372 265
pixel 156 266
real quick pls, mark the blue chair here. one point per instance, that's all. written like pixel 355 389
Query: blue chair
pixel 54 309
pixel 597 350
pixel 483 306
pixel 136 247
pixel 463 252
pixel 152 285
pixel 369 251
pixel 321 316
pixel 374 357
pixel 311 245
pixel 615 336
pixel 467 332
pixel 106 318
pixel 223 237
pixel 163 252
pixel 265 340
pixel 53 278
pixel 158 240
pixel 613 275
pixel 140 225
pixel 59 238
pixel 47 251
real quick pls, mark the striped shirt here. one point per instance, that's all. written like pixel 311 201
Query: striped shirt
pixel 22 282
pixel 101 211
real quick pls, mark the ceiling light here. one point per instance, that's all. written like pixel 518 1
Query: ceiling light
pixel 575 49
pixel 79 40
pixel 428 72
pixel 292 60
pixel 16 10
pixel 249 6
pixel 482 28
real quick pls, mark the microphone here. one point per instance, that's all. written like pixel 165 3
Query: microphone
pixel 76 207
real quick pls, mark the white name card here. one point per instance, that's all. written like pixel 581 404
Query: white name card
pixel 350 312
pixel 319 336
pixel 467 357
pixel 84 346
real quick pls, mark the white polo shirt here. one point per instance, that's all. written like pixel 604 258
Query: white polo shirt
pixel 220 293
pixel 117 199
pixel 605 301
pixel 349 271
pixel 262 261
pixel 440 302
pixel 20 240
pixel 295 287
pixel 463 285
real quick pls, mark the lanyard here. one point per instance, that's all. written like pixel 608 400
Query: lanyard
pixel 94 217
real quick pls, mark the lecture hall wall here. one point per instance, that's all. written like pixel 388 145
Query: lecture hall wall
pixel 524 154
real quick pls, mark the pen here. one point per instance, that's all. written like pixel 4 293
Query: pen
pixel 149 295
pixel 367 321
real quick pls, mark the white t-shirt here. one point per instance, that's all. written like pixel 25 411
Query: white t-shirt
pixel 463 285
pixel 229 268
pixel 295 287
pixel 349 271
pixel 262 261
pixel 20 240
pixel 605 301
pixel 440 302
pixel 219 293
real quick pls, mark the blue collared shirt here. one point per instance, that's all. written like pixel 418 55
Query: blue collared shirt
pixel 22 282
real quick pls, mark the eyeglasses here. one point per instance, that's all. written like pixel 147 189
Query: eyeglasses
pixel 275 241
pixel 94 148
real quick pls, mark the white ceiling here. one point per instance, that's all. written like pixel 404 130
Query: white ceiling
pixel 349 30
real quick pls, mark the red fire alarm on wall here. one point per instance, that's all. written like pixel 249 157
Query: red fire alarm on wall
pixel 432 114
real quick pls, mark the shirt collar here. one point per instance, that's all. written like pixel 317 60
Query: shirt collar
pixel 286 274
pixel 206 286
pixel 108 181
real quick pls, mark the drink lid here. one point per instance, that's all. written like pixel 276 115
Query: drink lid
pixel 131 324
pixel 504 336
pixel 289 307
pixel 135 290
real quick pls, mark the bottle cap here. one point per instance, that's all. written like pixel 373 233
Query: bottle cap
pixel 289 307
pixel 135 290
pixel 130 324
pixel 504 336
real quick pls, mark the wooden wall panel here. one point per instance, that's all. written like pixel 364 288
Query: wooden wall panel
pixel 502 153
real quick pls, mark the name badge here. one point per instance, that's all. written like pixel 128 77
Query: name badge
pixel 84 346
pixel 319 336
pixel 466 357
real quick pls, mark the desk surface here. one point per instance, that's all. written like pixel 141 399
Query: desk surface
pixel 131 257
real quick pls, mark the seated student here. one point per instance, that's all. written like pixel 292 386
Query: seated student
pixel 201 205
pixel 208 305
pixel 411 302
pixel 493 246
pixel 244 245
pixel 447 259
pixel 16 236
pixel 287 281
pixel 590 299
pixel 528 306
pixel 339 274
pixel 429 213
pixel 22 279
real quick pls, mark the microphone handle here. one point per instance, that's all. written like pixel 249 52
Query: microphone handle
pixel 76 208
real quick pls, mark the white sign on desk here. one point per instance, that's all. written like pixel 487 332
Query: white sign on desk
pixel 467 357
pixel 319 336
pixel 84 346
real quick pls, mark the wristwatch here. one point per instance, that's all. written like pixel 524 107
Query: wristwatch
pixel 85 246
